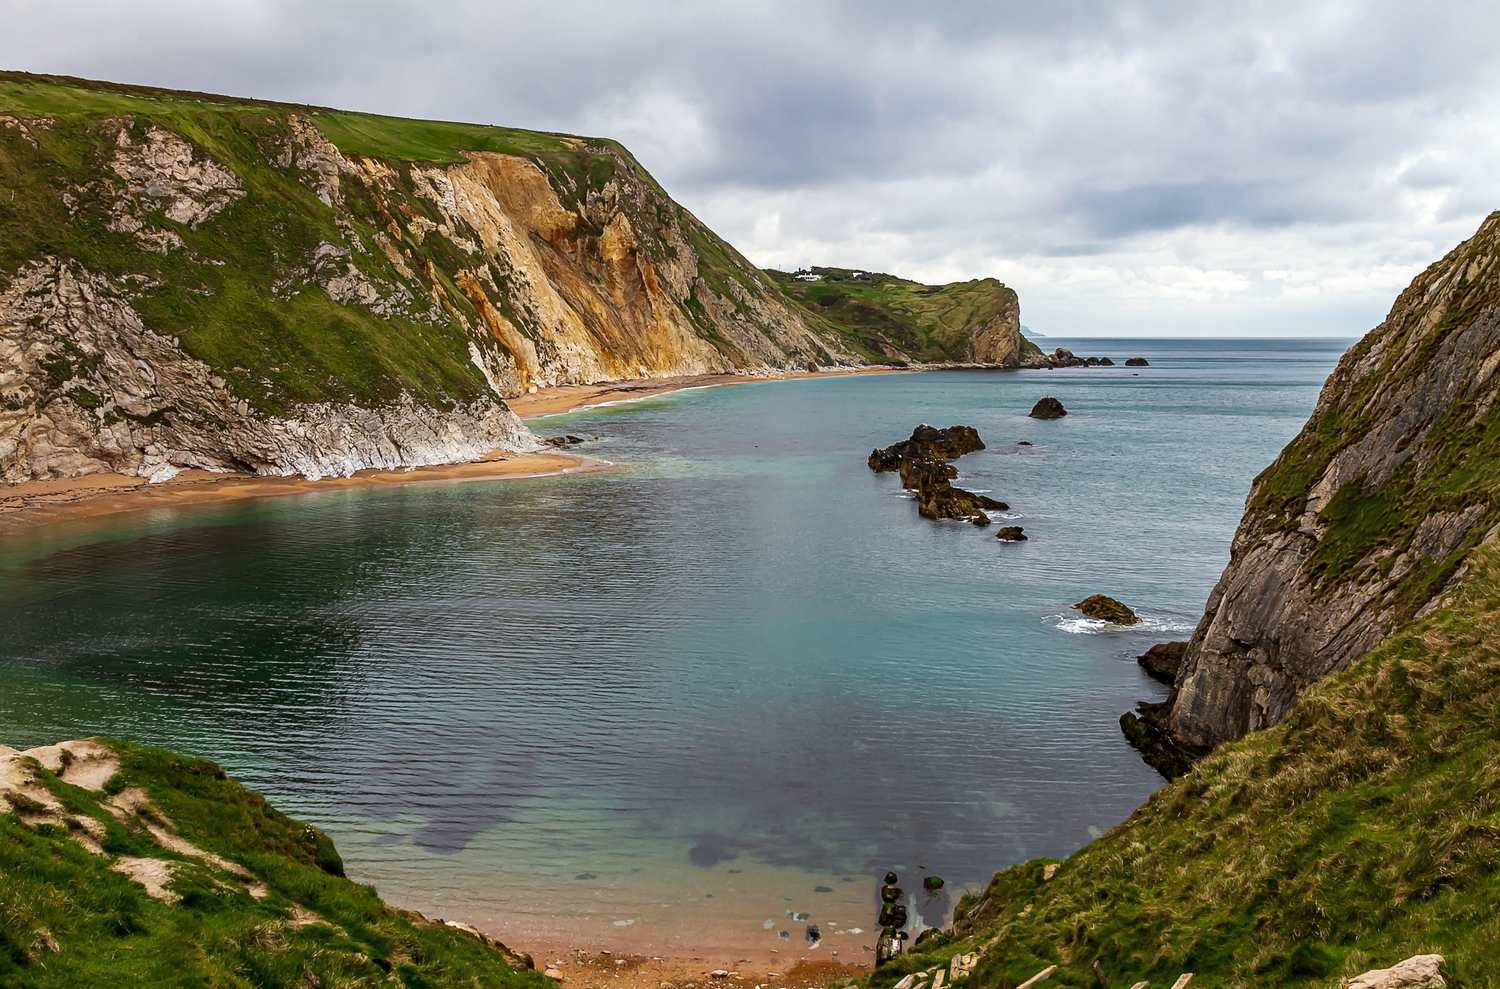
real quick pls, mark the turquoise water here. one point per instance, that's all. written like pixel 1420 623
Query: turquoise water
pixel 736 661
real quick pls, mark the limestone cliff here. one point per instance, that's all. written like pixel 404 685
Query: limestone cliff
pixel 188 280
pixel 1367 516
pixel 973 322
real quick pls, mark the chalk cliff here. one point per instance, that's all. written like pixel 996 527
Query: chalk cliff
pixel 1365 519
pixel 197 281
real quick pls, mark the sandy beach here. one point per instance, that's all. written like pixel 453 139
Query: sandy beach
pixel 572 398
pixel 38 503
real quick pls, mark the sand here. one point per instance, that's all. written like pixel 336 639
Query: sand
pixel 39 503
pixel 573 398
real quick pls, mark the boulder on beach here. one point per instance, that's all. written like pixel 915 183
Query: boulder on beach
pixel 1137 362
pixel 1161 661
pixel 1011 534
pixel 1048 408
pixel 1106 609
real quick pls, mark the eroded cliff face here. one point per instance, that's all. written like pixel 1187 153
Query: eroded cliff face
pixel 87 387
pixel 1366 517
pixel 998 341
pixel 218 285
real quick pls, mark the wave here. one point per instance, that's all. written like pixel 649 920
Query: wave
pixel 1075 624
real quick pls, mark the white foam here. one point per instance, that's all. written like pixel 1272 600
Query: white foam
pixel 1076 624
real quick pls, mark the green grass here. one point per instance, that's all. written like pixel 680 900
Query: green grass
pixel 108 932
pixel 1363 830
pixel 926 322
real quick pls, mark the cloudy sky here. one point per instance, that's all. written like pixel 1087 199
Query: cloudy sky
pixel 1255 168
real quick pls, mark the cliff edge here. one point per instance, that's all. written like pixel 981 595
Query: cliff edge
pixel 1365 519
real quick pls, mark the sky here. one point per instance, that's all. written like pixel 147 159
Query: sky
pixel 1131 169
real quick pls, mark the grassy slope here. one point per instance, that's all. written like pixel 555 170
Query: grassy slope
pixel 217 295
pixel 929 322
pixel 1364 829
pixel 108 932
pixel 305 348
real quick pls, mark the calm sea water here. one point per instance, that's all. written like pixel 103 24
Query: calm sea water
pixel 732 679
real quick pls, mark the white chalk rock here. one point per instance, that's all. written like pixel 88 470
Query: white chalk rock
pixel 1417 971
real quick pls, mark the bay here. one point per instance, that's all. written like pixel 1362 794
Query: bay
pixel 665 704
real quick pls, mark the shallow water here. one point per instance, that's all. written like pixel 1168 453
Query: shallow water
pixel 663 705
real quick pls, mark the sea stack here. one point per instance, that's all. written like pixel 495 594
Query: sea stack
pixel 1107 609
pixel 1048 408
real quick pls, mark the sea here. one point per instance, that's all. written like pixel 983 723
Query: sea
pixel 699 701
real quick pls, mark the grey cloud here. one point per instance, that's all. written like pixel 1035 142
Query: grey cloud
pixel 927 137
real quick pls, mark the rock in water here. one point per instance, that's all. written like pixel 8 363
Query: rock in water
pixel 1137 362
pixel 928 443
pixel 1161 661
pixel 1414 973
pixel 1011 534
pixel 1106 362
pixel 932 883
pixel 1048 408
pixel 937 499
pixel 1106 609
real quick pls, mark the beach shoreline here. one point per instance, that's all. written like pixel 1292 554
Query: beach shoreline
pixel 34 504
pixel 563 399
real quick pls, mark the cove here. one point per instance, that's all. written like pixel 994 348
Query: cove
pixel 726 683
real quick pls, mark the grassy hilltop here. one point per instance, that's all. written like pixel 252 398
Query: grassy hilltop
pixel 928 322
pixel 255 899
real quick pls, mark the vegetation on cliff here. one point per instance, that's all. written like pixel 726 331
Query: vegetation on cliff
pixel 1362 830
pixel 1363 520
pixel 235 893
pixel 893 318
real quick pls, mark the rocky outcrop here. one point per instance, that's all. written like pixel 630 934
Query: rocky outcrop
pixel 1365 519
pixel 937 498
pixel 922 463
pixel 1106 609
pixel 1416 972
pixel 1048 408
pixel 1136 362
pixel 998 340
pixel 1062 357
pixel 1011 534
pixel 86 386
pixel 927 443
pixel 1162 661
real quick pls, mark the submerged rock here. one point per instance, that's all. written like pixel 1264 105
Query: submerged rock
pixel 1011 534
pixel 932 883
pixel 1137 362
pixel 1048 408
pixel 1162 660
pixel 1106 609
